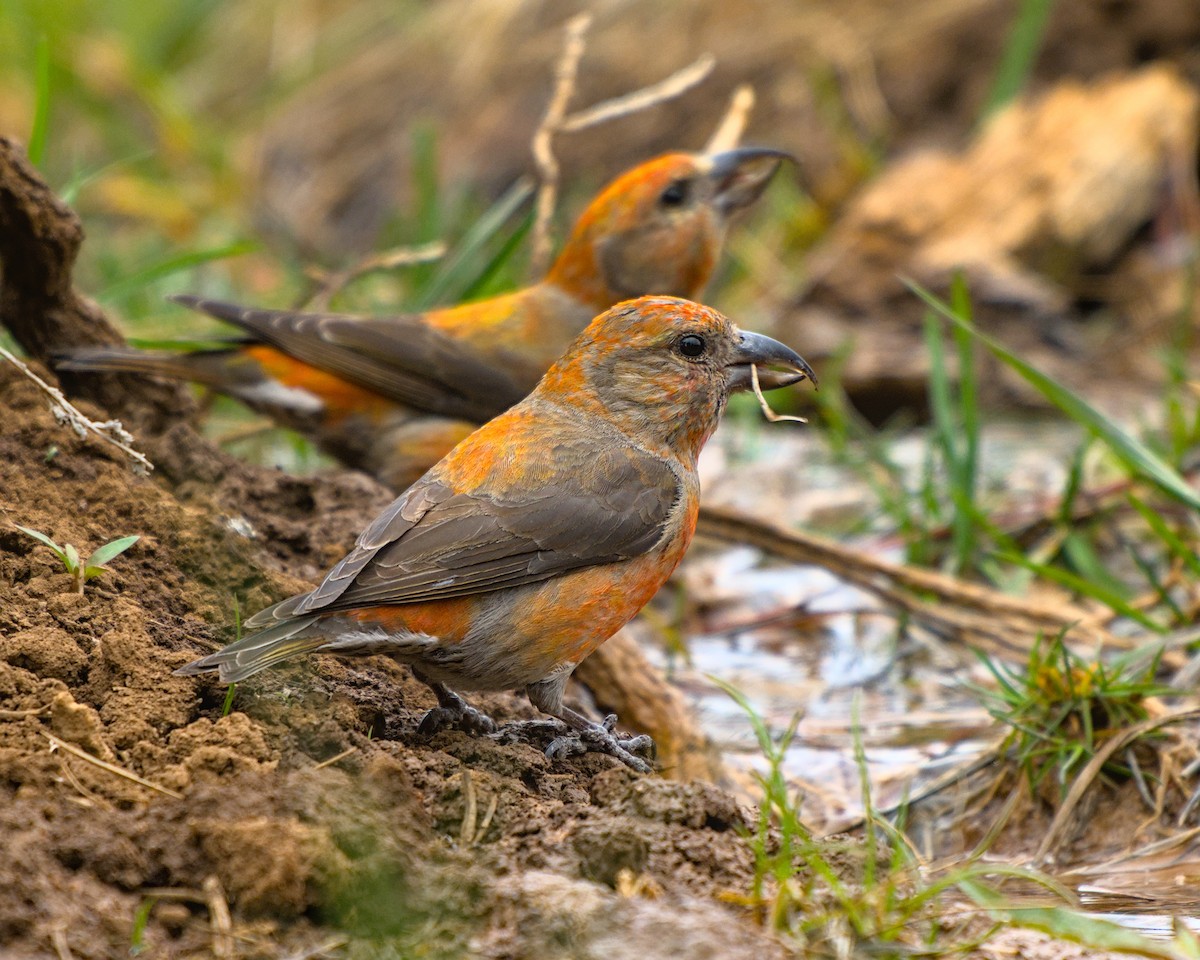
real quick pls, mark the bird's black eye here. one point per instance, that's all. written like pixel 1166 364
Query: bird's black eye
pixel 676 193
pixel 692 346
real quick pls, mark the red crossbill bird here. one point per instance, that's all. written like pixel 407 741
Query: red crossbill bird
pixel 543 532
pixel 392 395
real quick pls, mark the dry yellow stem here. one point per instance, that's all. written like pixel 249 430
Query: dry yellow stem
pixel 770 414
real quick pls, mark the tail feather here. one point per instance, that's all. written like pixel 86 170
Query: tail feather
pixel 226 370
pixel 248 656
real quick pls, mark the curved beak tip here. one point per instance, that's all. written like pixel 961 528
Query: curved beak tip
pixel 742 174
pixel 777 364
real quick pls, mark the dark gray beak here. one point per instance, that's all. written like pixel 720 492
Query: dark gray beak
pixel 740 176
pixel 767 355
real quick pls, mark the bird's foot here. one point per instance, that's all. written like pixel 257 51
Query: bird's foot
pixel 599 738
pixel 531 731
pixel 456 715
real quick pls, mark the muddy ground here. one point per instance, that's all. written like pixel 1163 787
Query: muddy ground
pixel 378 847
pixel 312 820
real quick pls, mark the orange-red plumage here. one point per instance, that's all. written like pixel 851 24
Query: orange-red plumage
pixel 544 531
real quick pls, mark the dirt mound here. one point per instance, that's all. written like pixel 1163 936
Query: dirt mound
pixel 457 844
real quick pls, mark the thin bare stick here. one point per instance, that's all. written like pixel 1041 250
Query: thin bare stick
pixel 58 937
pixel 667 89
pixel 21 714
pixel 332 760
pixel 487 818
pixel 332 282
pixel 770 414
pixel 110 431
pixel 466 832
pixel 543 154
pixel 176 893
pixel 320 950
pixel 87 798
pixel 219 919
pixel 56 744
pixel 729 131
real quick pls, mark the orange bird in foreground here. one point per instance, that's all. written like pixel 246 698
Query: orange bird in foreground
pixel 543 532
pixel 392 395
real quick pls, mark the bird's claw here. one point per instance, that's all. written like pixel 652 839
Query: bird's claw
pixel 599 738
pixel 528 731
pixel 461 716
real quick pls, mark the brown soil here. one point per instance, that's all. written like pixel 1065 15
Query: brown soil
pixel 370 849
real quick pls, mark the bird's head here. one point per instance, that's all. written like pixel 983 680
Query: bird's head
pixel 661 369
pixel 658 228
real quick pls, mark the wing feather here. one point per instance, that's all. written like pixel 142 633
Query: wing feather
pixel 400 357
pixel 595 506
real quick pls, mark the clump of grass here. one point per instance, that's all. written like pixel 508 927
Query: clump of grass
pixel 843 897
pixel 850 897
pixel 82 571
pixel 1061 708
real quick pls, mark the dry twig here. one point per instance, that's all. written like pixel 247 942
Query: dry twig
pixel 1062 819
pixel 56 744
pixel 58 937
pixel 320 950
pixel 556 120
pixel 729 131
pixel 673 86
pixel 22 714
pixel 65 412
pixel 332 282
pixel 543 153
pixel 219 919
pixel 770 414
pixel 334 759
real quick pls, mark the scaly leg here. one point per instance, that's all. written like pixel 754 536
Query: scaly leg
pixel 452 711
pixel 579 734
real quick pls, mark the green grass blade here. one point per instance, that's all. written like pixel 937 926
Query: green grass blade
pixel 485 283
pixel 765 744
pixel 1087 588
pixel 173 265
pixel 459 272
pixel 1170 539
pixel 1134 454
pixel 41 109
pixel 1024 42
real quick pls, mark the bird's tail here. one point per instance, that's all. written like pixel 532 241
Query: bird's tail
pixel 245 657
pixel 225 370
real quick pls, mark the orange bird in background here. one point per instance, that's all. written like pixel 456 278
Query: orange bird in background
pixel 391 395
pixel 543 532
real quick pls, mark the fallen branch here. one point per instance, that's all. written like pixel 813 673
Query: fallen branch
pixel 982 617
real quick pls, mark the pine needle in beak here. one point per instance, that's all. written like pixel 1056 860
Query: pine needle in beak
pixel 770 414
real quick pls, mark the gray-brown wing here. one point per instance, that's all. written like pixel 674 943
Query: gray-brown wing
pixel 432 544
pixel 400 357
